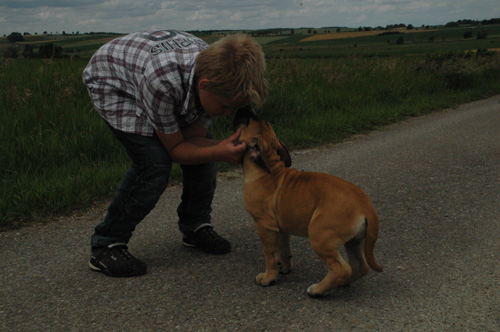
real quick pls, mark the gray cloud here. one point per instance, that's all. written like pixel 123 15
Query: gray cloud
pixel 132 15
pixel 19 4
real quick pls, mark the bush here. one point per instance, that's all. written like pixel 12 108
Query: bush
pixel 11 52
pixel 50 50
pixel 482 34
pixel 28 51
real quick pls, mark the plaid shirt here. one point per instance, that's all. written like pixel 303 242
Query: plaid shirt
pixel 144 81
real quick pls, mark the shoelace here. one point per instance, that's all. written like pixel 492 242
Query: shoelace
pixel 124 253
pixel 211 232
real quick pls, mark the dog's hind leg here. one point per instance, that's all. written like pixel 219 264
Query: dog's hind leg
pixel 357 261
pixel 356 254
pixel 285 261
pixel 326 247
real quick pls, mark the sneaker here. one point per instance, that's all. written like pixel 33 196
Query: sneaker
pixel 207 240
pixel 115 261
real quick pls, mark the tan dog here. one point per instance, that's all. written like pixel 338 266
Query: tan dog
pixel 283 202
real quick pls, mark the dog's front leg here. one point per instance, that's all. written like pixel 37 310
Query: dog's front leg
pixel 270 242
pixel 285 262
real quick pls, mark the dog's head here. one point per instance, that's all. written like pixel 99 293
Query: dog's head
pixel 263 147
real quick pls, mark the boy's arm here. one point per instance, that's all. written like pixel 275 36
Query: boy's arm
pixel 196 134
pixel 196 149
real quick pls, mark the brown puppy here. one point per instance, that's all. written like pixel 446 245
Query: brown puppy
pixel 283 202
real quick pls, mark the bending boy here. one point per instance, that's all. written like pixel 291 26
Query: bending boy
pixel 159 91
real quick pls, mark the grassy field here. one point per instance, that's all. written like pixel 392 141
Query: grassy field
pixel 58 156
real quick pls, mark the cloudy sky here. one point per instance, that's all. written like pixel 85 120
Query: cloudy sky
pixel 136 15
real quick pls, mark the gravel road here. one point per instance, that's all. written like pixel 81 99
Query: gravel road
pixel 435 181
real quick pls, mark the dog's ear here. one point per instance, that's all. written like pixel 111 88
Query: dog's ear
pixel 243 116
pixel 283 153
pixel 255 149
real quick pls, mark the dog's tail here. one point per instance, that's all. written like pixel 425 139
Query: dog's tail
pixel 371 222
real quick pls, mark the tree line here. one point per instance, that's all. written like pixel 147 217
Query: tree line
pixel 472 22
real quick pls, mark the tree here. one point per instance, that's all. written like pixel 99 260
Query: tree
pixel 15 37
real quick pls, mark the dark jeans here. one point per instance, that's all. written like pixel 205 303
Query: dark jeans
pixel 143 185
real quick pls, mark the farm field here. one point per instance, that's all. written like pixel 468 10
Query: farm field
pixel 304 44
pixel 386 43
pixel 356 34
pixel 58 156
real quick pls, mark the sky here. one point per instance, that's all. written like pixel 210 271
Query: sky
pixel 124 16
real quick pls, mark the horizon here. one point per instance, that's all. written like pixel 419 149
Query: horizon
pixel 126 16
pixel 389 26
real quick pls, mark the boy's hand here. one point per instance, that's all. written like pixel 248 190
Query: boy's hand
pixel 230 151
pixel 200 150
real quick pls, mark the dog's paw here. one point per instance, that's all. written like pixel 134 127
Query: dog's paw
pixel 263 280
pixel 314 292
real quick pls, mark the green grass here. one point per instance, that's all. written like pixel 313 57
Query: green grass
pixel 317 101
pixel 57 155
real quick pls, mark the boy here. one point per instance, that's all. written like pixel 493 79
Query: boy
pixel 159 91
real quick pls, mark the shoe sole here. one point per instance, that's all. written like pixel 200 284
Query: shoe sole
pixel 189 245
pixel 97 269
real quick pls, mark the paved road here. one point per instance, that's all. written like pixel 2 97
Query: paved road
pixel 435 181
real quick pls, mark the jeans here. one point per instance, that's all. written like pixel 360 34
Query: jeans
pixel 144 183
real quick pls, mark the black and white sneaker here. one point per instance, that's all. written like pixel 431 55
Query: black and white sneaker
pixel 115 261
pixel 207 240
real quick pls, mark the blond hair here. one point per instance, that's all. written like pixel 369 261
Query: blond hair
pixel 234 66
